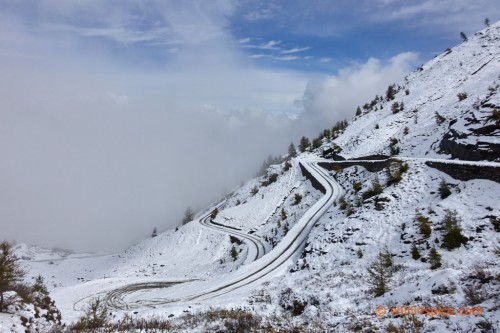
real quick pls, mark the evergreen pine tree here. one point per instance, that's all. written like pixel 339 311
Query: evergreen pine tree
pixel 327 134
pixel 188 216
pixel 389 94
pixel 304 144
pixel 317 143
pixel 444 189
pixel 386 257
pixel 358 111
pixel 154 233
pixel 39 286
pixel 284 216
pixel 287 166
pixel 11 271
pixel 434 258
pixel 234 253
pixel 214 213
pixel 452 237
pixel 415 253
pixel 41 299
pixel 291 151
pixel 395 107
pixel 487 22
pixel 378 276
pixel 463 36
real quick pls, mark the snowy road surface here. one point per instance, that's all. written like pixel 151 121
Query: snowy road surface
pixel 256 248
pixel 153 294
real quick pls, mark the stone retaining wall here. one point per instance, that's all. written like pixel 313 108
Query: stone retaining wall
pixel 315 183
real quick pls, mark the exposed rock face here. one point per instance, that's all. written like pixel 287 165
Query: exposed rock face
pixel 475 136
pixel 478 151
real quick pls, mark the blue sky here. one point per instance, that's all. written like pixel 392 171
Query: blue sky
pixel 334 33
pixel 316 35
pixel 116 115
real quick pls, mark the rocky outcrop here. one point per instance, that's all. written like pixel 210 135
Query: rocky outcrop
pixel 474 136
pixel 480 151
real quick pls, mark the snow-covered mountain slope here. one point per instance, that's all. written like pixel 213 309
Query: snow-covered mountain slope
pixel 399 208
pixel 194 254
pixel 332 277
pixel 471 68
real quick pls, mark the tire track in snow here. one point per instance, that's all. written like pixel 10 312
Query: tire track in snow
pixel 277 259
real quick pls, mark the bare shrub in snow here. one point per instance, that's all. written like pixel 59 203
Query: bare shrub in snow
pixel 254 190
pixel 424 226
pixel 439 118
pixel 495 221
pixel 411 324
pixel 356 186
pixel 474 294
pixel 375 189
pixel 494 116
pixel 461 96
pixel 297 199
pixel 96 316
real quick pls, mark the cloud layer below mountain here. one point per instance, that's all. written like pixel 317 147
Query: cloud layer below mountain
pixel 97 149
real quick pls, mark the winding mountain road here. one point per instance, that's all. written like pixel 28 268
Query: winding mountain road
pixel 255 244
pixel 264 266
pixel 260 266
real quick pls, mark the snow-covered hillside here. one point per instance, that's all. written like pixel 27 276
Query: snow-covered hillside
pixel 471 68
pixel 315 236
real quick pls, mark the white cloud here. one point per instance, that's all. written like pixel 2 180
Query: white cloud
pixel 257 16
pixel 244 40
pixel 278 52
pixel 337 18
pixel 451 16
pixel 325 60
pixel 99 148
pixel 334 98
pixel 99 152
pixel 269 45
pixel 265 11
pixel 260 56
pixel 278 57
pixel 287 58
pixel 295 50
